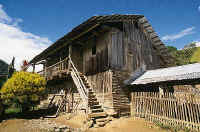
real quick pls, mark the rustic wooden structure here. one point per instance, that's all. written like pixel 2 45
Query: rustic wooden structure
pixel 168 109
pixel 97 58
pixel 4 69
pixel 175 101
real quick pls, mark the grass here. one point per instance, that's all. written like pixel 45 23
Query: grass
pixel 172 129
pixel 12 111
pixel 196 56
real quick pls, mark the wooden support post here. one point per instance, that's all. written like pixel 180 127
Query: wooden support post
pixel 33 68
pixel 72 101
pixel 133 104
pixel 70 51
pixel 45 69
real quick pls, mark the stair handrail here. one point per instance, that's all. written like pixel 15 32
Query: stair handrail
pixel 74 76
pixel 77 73
pixel 82 85
pixel 80 89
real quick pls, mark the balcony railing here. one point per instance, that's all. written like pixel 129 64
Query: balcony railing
pixel 55 69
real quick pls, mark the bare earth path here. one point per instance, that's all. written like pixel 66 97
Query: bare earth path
pixel 117 125
pixel 128 125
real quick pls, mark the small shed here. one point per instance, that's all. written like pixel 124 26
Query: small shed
pixel 166 77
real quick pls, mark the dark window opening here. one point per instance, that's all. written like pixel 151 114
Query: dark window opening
pixel 136 25
pixel 94 50
pixel 130 49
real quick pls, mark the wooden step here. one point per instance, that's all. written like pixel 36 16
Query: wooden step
pixel 90 92
pixel 97 115
pixel 103 119
pixel 93 103
pixel 95 106
pixel 97 110
pixel 92 95
pixel 92 99
pixel 101 124
pixel 87 86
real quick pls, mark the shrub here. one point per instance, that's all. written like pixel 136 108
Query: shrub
pixel 23 88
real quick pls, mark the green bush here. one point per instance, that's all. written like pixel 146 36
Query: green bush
pixel 24 89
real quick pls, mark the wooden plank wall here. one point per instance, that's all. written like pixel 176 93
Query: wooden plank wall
pixel 77 57
pixel 98 62
pixel 174 110
pixel 121 102
pixel 139 49
pixel 102 85
pixel 117 49
pixel 54 58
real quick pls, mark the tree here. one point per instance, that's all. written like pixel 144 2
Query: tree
pixel 182 57
pixel 191 45
pixel 24 89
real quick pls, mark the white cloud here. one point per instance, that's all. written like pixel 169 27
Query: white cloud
pixel 4 18
pixel 15 42
pixel 181 34
pixel 197 43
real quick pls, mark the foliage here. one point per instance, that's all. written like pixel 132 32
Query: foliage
pixel 23 88
pixel 191 45
pixel 196 55
pixel 184 56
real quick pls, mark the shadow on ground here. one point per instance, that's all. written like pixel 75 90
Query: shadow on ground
pixel 36 114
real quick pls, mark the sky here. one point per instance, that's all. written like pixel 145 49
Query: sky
pixel 29 26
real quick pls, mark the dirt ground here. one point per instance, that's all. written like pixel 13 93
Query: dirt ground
pixel 117 125
pixel 128 125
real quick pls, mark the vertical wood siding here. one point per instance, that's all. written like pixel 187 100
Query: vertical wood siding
pixel 98 62
pixel 132 49
pixel 140 48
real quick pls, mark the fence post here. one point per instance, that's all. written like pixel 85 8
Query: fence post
pixel 132 104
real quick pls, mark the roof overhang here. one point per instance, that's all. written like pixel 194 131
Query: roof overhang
pixel 96 21
pixel 186 74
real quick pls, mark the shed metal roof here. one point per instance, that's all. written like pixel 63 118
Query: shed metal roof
pixel 185 72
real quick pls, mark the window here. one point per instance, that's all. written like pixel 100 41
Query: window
pixel 94 49
pixel 136 25
pixel 130 49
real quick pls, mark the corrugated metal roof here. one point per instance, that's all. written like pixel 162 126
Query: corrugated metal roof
pixel 108 18
pixel 185 72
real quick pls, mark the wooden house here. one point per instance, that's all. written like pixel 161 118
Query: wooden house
pixel 4 72
pixel 98 57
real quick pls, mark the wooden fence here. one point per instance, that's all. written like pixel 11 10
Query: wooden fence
pixel 175 110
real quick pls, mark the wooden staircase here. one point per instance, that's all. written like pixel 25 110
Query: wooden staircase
pixel 93 107
pixel 120 99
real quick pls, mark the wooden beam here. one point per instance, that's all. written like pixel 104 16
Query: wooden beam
pixel 154 37
pixel 33 68
pixel 157 41
pixel 69 41
pixel 147 26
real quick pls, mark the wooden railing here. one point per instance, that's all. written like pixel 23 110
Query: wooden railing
pixel 41 72
pixel 60 66
pixel 67 66
pixel 83 91
pixel 175 110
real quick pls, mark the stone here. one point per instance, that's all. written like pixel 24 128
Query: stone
pixel 67 130
pixel 57 130
pixel 63 127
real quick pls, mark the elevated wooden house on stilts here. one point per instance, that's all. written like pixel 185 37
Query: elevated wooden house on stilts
pixel 97 58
